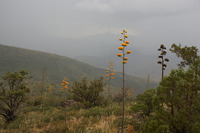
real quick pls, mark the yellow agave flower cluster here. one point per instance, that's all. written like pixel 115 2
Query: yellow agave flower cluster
pixel 64 84
pixel 124 44
pixel 131 92
pixel 110 71
pixel 50 88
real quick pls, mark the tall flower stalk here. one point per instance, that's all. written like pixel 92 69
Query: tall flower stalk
pixel 64 85
pixel 110 73
pixel 124 61
pixel 163 60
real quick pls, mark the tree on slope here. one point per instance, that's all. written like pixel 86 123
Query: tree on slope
pixel 177 104
pixel 12 94
pixel 89 94
pixel 188 54
pixel 145 103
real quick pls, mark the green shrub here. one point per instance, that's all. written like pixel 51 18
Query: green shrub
pixel 16 123
pixel 37 108
pixel 94 112
pixel 46 119
pixel 108 111
pixel 59 116
pixel 53 101
pixel 37 101
pixel 117 111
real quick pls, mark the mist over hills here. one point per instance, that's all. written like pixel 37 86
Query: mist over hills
pixel 98 50
pixel 140 63
pixel 58 67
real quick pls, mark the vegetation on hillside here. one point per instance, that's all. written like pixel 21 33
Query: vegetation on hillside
pixel 88 95
pixel 12 94
pixel 172 107
pixel 175 104
pixel 57 67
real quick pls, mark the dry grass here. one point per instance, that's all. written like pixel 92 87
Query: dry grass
pixel 78 121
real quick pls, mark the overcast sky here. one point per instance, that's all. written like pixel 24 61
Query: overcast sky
pixel 67 26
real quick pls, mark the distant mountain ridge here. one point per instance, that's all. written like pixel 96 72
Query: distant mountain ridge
pixel 58 67
pixel 138 64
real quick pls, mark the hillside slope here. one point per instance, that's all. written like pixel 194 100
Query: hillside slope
pixel 58 67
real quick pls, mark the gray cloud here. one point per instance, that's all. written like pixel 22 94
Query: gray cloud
pixel 48 25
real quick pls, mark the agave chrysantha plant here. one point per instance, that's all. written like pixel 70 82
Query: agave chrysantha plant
pixel 124 44
pixel 64 85
pixel 110 73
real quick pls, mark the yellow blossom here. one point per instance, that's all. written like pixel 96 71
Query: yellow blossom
pixel 126 36
pixel 124 44
pixel 124 62
pixel 127 42
pixel 128 51
pixel 125 58
pixel 50 89
pixel 119 54
pixel 120 48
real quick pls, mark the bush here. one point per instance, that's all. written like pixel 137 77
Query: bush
pixel 53 101
pixel 94 112
pixel 88 94
pixel 59 116
pixel 108 111
pixel 117 111
pixel 16 123
pixel 46 119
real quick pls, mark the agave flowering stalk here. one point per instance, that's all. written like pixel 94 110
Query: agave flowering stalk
pixel 64 85
pixel 50 88
pixel 124 44
pixel 163 53
pixel 110 73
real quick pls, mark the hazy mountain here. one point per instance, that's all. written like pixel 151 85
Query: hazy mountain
pixel 139 64
pixel 98 50
pixel 58 67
